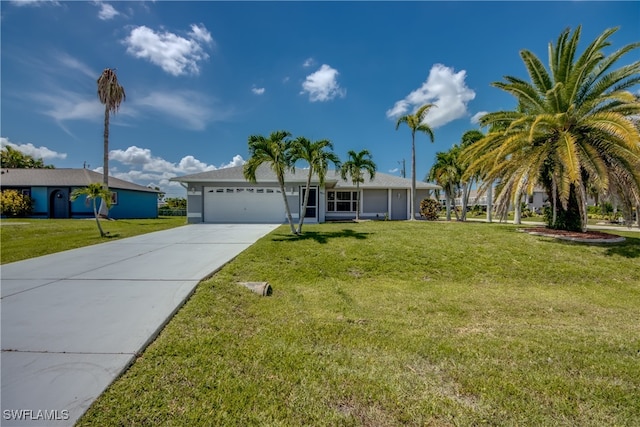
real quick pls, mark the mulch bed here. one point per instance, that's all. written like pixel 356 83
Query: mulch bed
pixel 575 236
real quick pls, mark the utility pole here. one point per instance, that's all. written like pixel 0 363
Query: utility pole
pixel 403 171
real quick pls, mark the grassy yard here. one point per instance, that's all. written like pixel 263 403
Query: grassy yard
pixel 27 238
pixel 398 323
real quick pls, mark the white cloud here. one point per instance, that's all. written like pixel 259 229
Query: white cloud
pixel 33 151
pixel 257 90
pixel 189 109
pixel 475 119
pixel 35 2
pixel 394 170
pixel 444 88
pixel 308 62
pixel 66 105
pixel 174 54
pixel 323 85
pixel 75 64
pixel 107 11
pixel 199 32
pixel 143 168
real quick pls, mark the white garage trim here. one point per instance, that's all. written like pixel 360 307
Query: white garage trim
pixel 243 205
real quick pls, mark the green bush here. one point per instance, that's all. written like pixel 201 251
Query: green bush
pixel 430 209
pixel 15 204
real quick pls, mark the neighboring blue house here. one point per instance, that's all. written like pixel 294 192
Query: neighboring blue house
pixel 50 190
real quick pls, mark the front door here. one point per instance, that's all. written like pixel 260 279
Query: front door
pixel 399 204
pixel 312 204
pixel 59 204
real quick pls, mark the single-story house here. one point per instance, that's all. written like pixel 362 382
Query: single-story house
pixel 225 196
pixel 50 190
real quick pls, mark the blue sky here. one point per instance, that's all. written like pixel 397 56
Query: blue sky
pixel 202 76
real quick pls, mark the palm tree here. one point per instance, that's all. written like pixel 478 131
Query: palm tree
pixel 446 173
pixel 274 150
pixel 415 123
pixel 573 126
pixel 318 158
pixel 355 167
pixel 92 192
pixel 111 95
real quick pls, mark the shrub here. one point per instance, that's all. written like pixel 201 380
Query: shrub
pixel 15 204
pixel 430 209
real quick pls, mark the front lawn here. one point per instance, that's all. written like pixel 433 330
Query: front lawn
pixel 398 323
pixel 28 238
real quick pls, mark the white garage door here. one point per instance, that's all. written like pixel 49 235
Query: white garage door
pixel 243 205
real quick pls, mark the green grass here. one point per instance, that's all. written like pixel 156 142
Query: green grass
pixel 27 238
pixel 398 323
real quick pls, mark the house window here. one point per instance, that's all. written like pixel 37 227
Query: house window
pixel 342 201
pixel 114 198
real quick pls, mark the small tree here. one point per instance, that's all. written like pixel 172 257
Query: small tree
pixel 274 151
pixel 15 204
pixel 92 192
pixel 354 167
pixel 318 155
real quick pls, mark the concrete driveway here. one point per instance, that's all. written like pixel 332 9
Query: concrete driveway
pixel 73 321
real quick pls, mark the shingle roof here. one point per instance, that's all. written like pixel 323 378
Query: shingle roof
pixel 265 174
pixel 62 178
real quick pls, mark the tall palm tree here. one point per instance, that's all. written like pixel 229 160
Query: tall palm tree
pixel 446 173
pixel 573 126
pixel 316 154
pixel 111 95
pixel 355 167
pixel 92 192
pixel 275 151
pixel 416 123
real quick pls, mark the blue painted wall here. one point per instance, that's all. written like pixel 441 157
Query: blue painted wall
pixel 134 204
pixel 130 204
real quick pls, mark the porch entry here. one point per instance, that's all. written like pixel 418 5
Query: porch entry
pixel 59 203
pixel 312 206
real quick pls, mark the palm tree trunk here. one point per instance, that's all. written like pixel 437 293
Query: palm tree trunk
pixel 453 205
pixel 286 206
pixel 95 214
pixel 104 211
pixel 448 204
pixel 517 216
pixel 638 215
pixel 554 196
pixel 465 200
pixel 582 202
pixel 306 201
pixel 413 176
pixel 490 202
